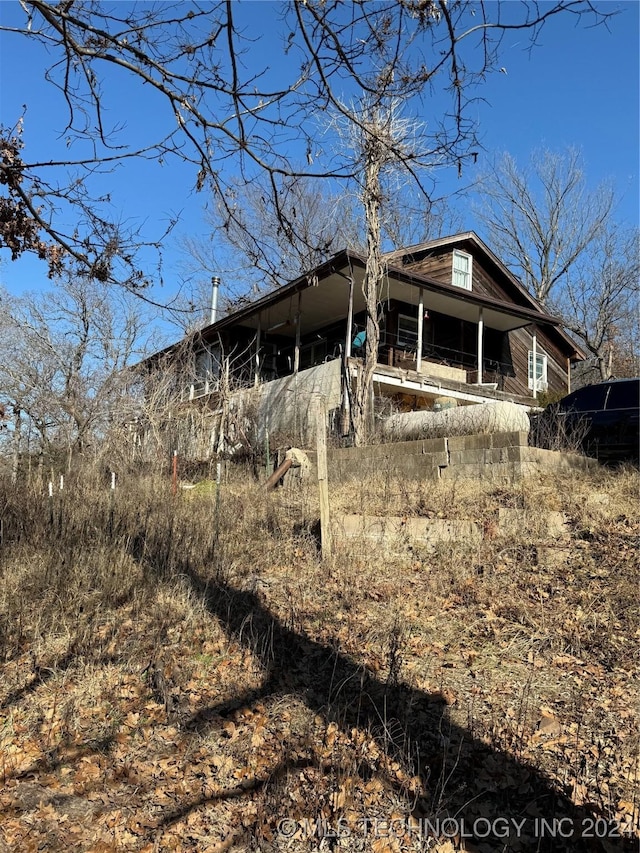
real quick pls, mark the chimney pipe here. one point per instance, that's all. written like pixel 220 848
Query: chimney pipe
pixel 215 285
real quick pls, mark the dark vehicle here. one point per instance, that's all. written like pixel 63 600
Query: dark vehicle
pixel 603 420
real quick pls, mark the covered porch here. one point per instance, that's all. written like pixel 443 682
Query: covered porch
pixel 436 331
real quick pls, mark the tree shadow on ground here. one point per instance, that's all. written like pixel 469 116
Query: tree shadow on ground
pixel 478 788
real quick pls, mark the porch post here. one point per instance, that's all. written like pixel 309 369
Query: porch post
pixel 420 326
pixel 534 366
pixel 296 351
pixel 256 375
pixel 480 344
pixel 347 343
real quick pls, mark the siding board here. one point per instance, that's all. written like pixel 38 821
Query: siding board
pixel 438 265
pixel 520 341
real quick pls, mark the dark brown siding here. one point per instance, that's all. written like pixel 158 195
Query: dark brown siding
pixel 484 284
pixel 439 267
pixel 520 341
pixel 556 364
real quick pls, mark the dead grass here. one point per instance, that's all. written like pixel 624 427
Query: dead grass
pixel 183 673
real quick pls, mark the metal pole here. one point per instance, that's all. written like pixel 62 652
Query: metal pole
pixel 216 529
pixel 323 488
pixel 266 451
pixel 347 343
pixel 256 377
pixel 215 286
pixel 296 352
pixel 112 493
pixel 534 359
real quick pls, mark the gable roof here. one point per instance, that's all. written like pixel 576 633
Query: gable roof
pixel 494 265
pixel 326 286
pixel 414 253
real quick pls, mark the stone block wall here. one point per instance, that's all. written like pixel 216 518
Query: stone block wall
pixel 498 456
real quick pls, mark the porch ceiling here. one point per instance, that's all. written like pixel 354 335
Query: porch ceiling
pixel 464 305
pixel 320 306
pixel 327 303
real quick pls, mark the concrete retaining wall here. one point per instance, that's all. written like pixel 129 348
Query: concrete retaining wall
pixel 396 534
pixel 497 456
pixel 392 535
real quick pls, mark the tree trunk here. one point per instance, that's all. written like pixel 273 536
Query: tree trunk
pixel 605 363
pixel 362 408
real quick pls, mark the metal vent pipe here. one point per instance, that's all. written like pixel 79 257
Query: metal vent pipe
pixel 215 286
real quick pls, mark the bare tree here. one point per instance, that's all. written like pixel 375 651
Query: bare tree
pixel 562 239
pixel 379 141
pixel 357 61
pixel 185 400
pixel 256 245
pixel 63 360
pixel 542 218
pixel 253 251
pixel 599 301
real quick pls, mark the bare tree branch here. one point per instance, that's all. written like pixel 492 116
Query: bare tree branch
pixel 234 120
pixel 541 219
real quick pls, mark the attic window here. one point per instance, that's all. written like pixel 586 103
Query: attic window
pixel 461 270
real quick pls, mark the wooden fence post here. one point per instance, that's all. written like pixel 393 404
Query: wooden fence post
pixel 323 485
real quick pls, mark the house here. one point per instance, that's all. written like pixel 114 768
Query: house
pixel 456 328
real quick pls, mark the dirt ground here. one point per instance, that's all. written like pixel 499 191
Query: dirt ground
pixel 249 696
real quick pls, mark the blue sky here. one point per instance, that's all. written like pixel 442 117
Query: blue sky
pixel 578 87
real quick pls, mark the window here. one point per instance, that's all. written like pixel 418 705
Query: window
pixel 588 399
pixel 541 371
pixel 203 364
pixel 207 364
pixel 462 270
pixel 407 330
pixel 623 394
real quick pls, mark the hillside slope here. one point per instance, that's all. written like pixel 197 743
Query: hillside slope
pixel 185 673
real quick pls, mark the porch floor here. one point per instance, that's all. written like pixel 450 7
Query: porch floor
pixel 429 384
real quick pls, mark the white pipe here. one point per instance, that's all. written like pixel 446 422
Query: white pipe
pixel 296 351
pixel 256 376
pixel 534 359
pixel 480 343
pixel 215 286
pixel 420 330
pixel 347 343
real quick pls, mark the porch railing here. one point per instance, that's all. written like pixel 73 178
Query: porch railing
pixel 494 371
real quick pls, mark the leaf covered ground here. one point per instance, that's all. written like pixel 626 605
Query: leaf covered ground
pixel 175 679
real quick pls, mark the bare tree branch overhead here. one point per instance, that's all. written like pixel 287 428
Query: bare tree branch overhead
pixel 222 107
pixel 363 72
